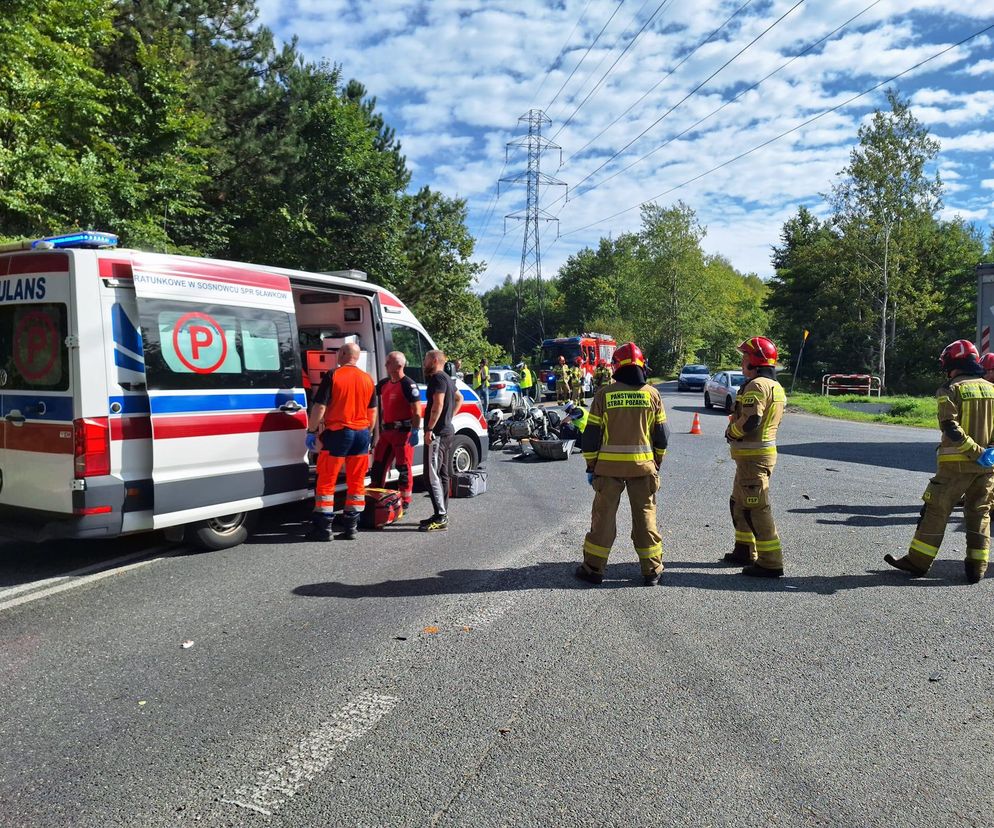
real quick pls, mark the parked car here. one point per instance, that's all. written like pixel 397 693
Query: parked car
pixel 505 388
pixel 692 378
pixel 720 390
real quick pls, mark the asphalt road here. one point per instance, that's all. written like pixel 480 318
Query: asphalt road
pixel 466 679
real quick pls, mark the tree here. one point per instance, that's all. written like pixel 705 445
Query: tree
pixel 883 205
pixel 56 164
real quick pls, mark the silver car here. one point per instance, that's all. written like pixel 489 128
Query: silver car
pixel 720 390
pixel 505 388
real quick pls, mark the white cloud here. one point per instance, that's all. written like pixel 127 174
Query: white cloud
pixel 453 76
pixel 981 67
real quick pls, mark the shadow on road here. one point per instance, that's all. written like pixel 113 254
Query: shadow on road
pixel 559 575
pixel 699 409
pixel 916 457
pixel 856 515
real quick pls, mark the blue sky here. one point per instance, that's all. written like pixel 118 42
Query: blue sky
pixel 453 77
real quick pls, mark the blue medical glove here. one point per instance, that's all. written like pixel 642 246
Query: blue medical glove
pixel 415 437
pixel 311 441
pixel 590 478
pixel 987 459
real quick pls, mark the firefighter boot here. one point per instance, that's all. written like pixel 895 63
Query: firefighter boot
pixel 975 570
pixel 905 563
pixel 756 571
pixel 741 555
pixel 349 525
pixel 588 575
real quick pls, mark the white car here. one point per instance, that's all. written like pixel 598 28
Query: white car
pixel 720 390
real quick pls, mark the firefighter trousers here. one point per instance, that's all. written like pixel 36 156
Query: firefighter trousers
pixel 603 522
pixel 392 447
pixel 343 447
pixel 941 495
pixel 562 392
pixel 755 531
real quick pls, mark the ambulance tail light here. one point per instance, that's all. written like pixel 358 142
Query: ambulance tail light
pixel 91 447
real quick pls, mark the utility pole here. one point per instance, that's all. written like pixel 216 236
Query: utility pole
pixel 533 177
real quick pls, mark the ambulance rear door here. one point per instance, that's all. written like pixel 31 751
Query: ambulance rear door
pixel 224 386
pixel 36 383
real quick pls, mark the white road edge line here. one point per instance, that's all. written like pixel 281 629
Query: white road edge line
pixel 312 755
pixel 79 577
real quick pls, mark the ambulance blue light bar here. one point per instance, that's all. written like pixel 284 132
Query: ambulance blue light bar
pixel 85 238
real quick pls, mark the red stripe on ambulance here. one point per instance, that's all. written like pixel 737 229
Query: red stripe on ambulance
pixel 171 428
pixel 47 438
pixel 34 263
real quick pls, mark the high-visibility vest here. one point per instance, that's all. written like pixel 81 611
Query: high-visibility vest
pixel 526 377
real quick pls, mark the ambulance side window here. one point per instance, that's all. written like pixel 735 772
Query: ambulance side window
pixel 217 346
pixel 33 352
pixel 414 346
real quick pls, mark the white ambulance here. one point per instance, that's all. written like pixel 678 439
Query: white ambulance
pixel 143 391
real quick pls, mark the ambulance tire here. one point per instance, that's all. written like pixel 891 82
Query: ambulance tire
pixel 222 532
pixel 464 454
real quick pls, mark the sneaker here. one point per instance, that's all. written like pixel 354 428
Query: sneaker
pixel 757 571
pixel 585 574
pixel 434 524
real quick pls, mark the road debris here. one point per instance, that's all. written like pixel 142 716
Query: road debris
pixel 186 645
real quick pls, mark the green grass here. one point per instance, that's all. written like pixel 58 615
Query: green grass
pixel 909 411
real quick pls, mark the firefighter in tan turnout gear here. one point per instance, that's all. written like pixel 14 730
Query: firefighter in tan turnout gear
pixel 965 460
pixel 623 443
pixel 752 438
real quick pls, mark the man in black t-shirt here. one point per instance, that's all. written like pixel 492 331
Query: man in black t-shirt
pixel 443 401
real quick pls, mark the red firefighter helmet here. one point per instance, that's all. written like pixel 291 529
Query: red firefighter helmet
pixel 987 362
pixel 578 361
pixel 628 354
pixel 760 352
pixel 960 350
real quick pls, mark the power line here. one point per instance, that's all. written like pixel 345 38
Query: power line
pixel 730 101
pixel 484 224
pixel 617 60
pixel 591 46
pixel 692 92
pixel 562 53
pixel 793 129
pixel 657 84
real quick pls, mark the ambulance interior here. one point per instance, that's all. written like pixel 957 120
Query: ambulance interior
pixel 327 320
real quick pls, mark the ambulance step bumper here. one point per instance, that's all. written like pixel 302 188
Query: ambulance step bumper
pixel 32 525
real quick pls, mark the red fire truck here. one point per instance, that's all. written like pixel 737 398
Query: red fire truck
pixel 590 347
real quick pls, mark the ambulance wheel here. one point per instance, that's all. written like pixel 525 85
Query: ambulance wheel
pixel 464 454
pixel 223 532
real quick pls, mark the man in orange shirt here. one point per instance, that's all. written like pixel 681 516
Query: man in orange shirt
pixel 345 405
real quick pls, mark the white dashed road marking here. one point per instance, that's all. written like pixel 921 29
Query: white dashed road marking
pixel 312 755
pixel 36 590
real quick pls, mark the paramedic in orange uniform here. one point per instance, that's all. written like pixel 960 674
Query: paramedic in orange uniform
pixel 345 405
pixel 400 426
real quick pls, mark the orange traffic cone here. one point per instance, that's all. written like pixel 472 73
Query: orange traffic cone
pixel 695 427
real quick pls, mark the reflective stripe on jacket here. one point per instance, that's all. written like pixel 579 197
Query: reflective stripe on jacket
pixel 759 407
pixel 966 416
pixel 626 432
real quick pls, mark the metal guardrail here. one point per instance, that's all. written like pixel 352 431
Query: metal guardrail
pixel 850 384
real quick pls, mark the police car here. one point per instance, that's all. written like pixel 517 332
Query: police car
pixel 141 391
